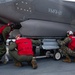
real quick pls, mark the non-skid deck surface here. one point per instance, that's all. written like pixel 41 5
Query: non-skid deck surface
pixel 45 67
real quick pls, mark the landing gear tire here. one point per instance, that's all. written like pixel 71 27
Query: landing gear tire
pixel 57 55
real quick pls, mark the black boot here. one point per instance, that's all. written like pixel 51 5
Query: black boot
pixel 18 64
pixel 34 63
pixel 67 59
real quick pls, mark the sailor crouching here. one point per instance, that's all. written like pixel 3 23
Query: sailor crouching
pixel 68 46
pixel 21 51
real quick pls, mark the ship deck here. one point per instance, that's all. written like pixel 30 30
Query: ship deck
pixel 46 66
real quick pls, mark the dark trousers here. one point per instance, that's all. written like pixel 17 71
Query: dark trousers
pixel 67 51
pixel 2 50
pixel 20 58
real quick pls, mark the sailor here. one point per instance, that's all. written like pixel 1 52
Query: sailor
pixel 21 50
pixel 4 34
pixel 68 46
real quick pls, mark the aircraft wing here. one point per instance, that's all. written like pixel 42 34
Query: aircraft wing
pixel 38 28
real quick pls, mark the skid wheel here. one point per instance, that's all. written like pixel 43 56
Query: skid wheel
pixel 57 55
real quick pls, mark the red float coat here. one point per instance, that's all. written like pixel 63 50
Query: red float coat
pixel 71 45
pixel 24 46
pixel 2 28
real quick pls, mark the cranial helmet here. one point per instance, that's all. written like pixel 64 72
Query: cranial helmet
pixel 12 25
pixel 70 32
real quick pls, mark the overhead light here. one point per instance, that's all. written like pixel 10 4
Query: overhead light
pixel 70 0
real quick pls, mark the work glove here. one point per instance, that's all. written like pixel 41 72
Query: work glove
pixel 59 42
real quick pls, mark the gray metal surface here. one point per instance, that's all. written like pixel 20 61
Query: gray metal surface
pixel 40 28
pixel 50 44
pixel 49 18
pixel 45 67
pixel 52 10
pixel 14 33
